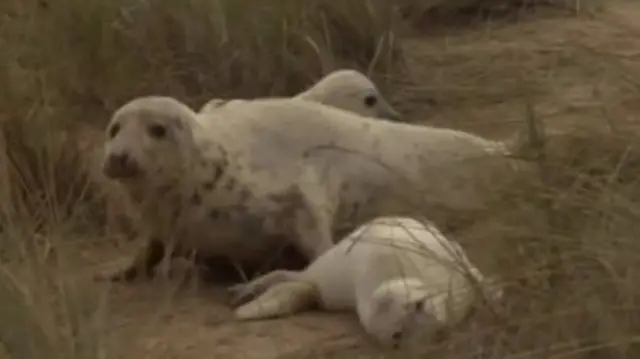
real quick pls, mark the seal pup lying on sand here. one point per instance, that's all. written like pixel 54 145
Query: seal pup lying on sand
pixel 400 276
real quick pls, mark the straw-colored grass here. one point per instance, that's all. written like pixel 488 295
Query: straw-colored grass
pixel 563 239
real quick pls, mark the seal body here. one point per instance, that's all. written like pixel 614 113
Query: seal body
pixel 173 174
pixel 356 168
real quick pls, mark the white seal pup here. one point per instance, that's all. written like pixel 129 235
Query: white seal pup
pixel 158 153
pixel 400 276
pixel 346 89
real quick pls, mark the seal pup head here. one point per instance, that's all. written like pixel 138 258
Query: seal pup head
pixel 149 141
pixel 400 309
pixel 352 91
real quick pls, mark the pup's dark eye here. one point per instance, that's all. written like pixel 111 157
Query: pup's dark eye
pixel 157 131
pixel 113 131
pixel 396 337
pixel 370 101
pixel 418 306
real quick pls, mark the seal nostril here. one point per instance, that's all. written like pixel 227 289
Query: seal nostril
pixel 123 159
pixel 118 163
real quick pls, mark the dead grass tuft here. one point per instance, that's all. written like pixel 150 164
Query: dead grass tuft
pixel 566 249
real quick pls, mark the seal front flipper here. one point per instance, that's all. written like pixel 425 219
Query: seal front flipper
pixel 243 291
pixel 279 300
pixel 143 264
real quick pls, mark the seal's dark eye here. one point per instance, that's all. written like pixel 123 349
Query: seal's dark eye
pixel 157 131
pixel 370 101
pixel 113 131
pixel 418 306
pixel 396 337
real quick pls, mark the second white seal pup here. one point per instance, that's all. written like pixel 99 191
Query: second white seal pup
pixel 400 276
pixel 346 89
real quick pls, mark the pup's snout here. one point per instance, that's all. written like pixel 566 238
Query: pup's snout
pixel 119 165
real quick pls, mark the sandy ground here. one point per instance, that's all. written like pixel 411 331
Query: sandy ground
pixel 572 69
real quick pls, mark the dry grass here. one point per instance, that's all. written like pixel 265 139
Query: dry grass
pixel 67 65
pixel 566 248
